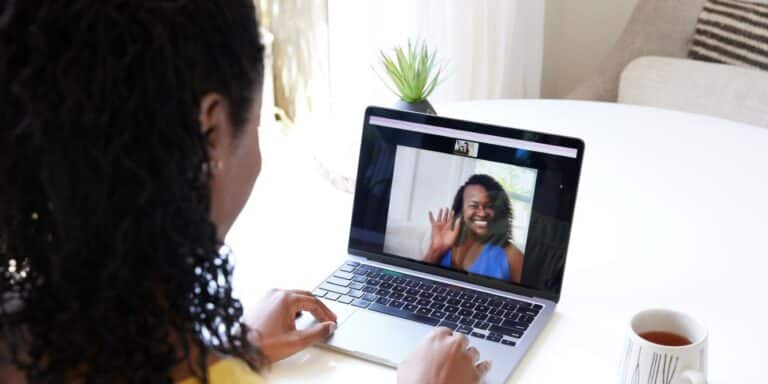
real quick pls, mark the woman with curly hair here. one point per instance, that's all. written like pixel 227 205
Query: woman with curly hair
pixel 475 234
pixel 128 146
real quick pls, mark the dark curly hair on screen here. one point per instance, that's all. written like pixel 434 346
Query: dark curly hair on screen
pixel 500 228
pixel 110 266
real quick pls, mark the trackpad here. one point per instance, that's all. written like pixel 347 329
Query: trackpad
pixel 381 338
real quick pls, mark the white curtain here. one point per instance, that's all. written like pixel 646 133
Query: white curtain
pixel 487 49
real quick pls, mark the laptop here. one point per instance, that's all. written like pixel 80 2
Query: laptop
pixel 456 224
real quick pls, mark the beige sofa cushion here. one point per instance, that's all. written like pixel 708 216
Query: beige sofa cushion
pixel 721 90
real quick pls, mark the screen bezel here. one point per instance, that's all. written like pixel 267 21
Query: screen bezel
pixel 476 127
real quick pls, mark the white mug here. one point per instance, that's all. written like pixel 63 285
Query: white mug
pixel 646 362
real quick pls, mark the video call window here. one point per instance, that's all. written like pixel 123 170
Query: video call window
pixel 425 181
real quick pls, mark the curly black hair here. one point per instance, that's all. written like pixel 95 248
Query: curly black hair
pixel 110 266
pixel 500 227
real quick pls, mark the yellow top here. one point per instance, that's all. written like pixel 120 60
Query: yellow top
pixel 228 370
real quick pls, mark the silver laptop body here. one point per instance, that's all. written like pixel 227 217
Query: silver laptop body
pixel 373 292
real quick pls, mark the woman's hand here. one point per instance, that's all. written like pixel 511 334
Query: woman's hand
pixel 443 358
pixel 273 323
pixel 445 230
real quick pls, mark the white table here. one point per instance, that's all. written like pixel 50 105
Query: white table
pixel 672 212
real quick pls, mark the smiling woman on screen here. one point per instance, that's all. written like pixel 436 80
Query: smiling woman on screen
pixel 475 234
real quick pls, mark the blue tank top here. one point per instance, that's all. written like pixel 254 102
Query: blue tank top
pixel 492 262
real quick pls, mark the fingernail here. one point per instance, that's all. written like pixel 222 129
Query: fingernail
pixel 332 327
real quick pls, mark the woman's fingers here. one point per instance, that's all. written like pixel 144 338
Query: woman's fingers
pixel 483 368
pixel 431 218
pixel 456 225
pixel 312 335
pixel 312 305
pixel 474 354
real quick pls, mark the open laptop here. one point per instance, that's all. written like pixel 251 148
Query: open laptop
pixel 393 290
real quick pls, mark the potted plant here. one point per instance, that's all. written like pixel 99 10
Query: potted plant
pixel 412 75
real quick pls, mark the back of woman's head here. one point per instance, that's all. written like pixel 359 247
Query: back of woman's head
pixel 105 235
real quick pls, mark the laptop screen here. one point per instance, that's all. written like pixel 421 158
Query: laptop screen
pixel 482 203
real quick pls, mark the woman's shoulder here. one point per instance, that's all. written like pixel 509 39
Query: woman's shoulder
pixel 228 370
pixel 512 251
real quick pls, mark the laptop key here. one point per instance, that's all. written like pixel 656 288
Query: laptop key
pixel 345 299
pixel 347 268
pixel 509 307
pixel 451 309
pixel 482 308
pixel 497 312
pixel 424 311
pixel 410 299
pixel 482 325
pixel 453 318
pixel 359 279
pixel 514 325
pixel 437 306
pixel 331 296
pixel 440 290
pixel 495 337
pixel 383 300
pixel 467 297
pixel 354 285
pixel 494 319
pixel 369 289
pixel 343 275
pixel 465 329
pixel 426 295
pixel 396 304
pixel 478 335
pixel 337 281
pixel 538 307
pixel 334 288
pixel 423 302
pixel 467 305
pixel 440 299
pixel 412 291
pixel 495 303
pixel 386 285
pixel 525 319
pixel 319 292
pixel 399 288
pixel 396 296
pixel 453 301
pixel 452 293
pixel 361 303
pixel 369 297
pixel 356 294
pixel 508 342
pixel 479 316
pixel 411 307
pixel 403 314
pixel 465 312
pixel 506 331
pixel 468 321
pixel 448 324
pixel 437 314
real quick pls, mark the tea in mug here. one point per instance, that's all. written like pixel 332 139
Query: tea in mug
pixel 669 339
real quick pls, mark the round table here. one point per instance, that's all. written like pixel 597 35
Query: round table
pixel 671 212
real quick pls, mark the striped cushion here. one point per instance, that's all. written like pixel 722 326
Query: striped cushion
pixel 732 32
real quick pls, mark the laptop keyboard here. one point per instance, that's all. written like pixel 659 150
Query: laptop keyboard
pixel 477 314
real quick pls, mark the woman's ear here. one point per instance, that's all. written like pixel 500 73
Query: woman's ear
pixel 216 126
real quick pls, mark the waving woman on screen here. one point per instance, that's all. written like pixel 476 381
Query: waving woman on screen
pixel 474 235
